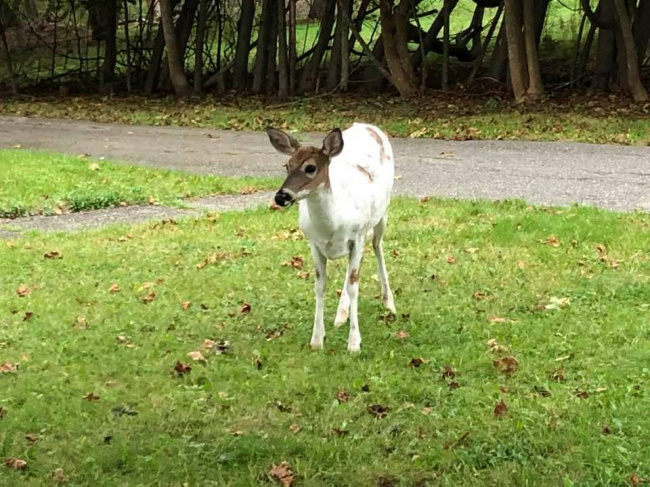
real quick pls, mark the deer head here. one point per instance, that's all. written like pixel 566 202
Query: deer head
pixel 307 168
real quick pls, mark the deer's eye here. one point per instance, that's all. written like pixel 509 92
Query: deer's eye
pixel 310 169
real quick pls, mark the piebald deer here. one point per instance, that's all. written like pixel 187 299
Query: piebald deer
pixel 344 191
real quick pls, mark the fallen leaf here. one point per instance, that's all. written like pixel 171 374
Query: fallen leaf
pixel 553 241
pixel 80 323
pixel 606 430
pixel 295 428
pixel 115 288
pixel 283 408
pixel 541 391
pixel 31 438
pixel 181 369
pixel 448 372
pixel 221 347
pixel 28 315
pixel 558 375
pixel 296 262
pixel 507 365
pixel 416 362
pixel 237 432
pixel 582 394
pixel 497 319
pixel 635 479
pixel 186 305
pixel 17 146
pixel 521 264
pixel 342 396
pixel 500 409
pixel 3 412
pixel 495 347
pixel 245 308
pixel 558 303
pixel 378 411
pixel 7 368
pixel 454 385
pixel 396 253
pixel 471 250
pixel 53 254
pixel 23 291
pixel 451 260
pixel 207 344
pixel 149 297
pixel 303 275
pixel 478 295
pixel 59 476
pixel 16 463
pixel 196 356
pixel 282 473
pixel 401 335
pixel 427 410
pixel 425 199
pixel 91 396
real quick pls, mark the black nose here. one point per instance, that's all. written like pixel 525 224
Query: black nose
pixel 282 198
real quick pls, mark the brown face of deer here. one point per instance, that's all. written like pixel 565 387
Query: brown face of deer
pixel 308 167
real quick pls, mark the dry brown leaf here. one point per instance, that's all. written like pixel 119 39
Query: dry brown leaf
pixel 245 308
pixel 451 260
pixel 521 264
pixel 282 473
pixel 378 411
pixel 115 288
pixel 553 241
pixel 81 323
pixel 295 428
pixel 3 412
pixel 427 410
pixel 196 356
pixel 296 262
pixel 635 479
pixel 500 409
pixel 497 319
pixel 396 253
pixel 53 254
pixel 401 335
pixel 16 463
pixel 507 365
pixel 23 291
pixel 342 396
pixel 91 396
pixel 149 297
pixel 7 368
pixel 28 315
pixel 416 362
pixel 208 344
pixel 186 305
pixel 425 199
pixel 454 385
pixel 181 369
pixel 448 372
pixel 59 476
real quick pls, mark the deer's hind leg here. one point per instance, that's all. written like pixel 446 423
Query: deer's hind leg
pixel 377 245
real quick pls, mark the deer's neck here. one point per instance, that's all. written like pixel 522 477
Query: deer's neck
pixel 322 209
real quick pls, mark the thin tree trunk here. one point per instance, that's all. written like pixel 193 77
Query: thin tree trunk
pixel 156 58
pixel 576 55
pixel 333 69
pixel 431 37
pixel 293 54
pixel 535 85
pixel 394 33
pixel 516 49
pixel 311 71
pixel 198 52
pixel 642 29
pixel 499 59
pixel 345 53
pixel 584 55
pixel 127 45
pixel 245 28
pixel 479 59
pixel 283 64
pixel 183 29
pixel 635 84
pixel 110 51
pixel 10 66
pixel 445 45
pixel 272 46
pixel 606 48
pixel 263 38
pixel 176 71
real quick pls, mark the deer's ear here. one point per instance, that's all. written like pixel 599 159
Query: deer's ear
pixel 333 143
pixel 282 142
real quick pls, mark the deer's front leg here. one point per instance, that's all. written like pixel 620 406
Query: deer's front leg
pixel 320 265
pixel 354 271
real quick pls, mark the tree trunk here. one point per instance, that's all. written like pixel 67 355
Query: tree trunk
pixel 345 53
pixel 156 58
pixel 431 36
pixel 127 41
pixel 535 86
pixel 263 38
pixel 293 54
pixel 606 49
pixel 395 48
pixel 318 9
pixel 636 87
pixel 272 46
pixel 499 59
pixel 110 51
pixel 486 43
pixel 333 69
pixel 175 62
pixel 516 49
pixel 283 64
pixel 642 29
pixel 445 44
pixel 5 46
pixel 183 30
pixel 245 28
pixel 310 73
pixel 198 53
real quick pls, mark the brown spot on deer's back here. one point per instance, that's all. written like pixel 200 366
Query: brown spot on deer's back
pixel 365 171
pixel 354 276
pixel 382 151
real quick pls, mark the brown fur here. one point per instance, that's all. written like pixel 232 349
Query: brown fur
pixel 365 171
pixel 382 151
pixel 297 180
pixel 354 276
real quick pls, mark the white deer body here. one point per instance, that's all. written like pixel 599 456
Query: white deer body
pixel 344 192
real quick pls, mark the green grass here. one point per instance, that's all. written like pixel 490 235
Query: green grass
pixel 594 118
pixel 47 183
pixel 574 316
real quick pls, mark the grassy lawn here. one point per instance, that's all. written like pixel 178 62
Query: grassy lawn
pixel 47 183
pixel 588 118
pixel 531 323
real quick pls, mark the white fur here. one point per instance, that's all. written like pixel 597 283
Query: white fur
pixel 336 220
